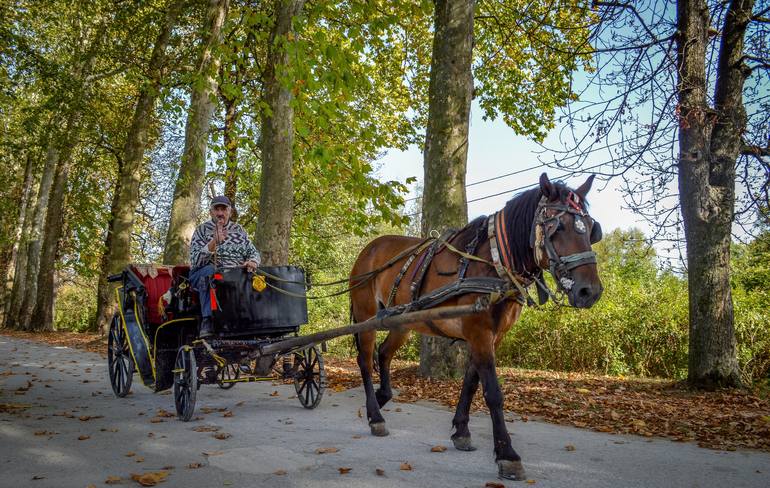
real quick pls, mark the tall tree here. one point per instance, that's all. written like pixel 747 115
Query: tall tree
pixel 185 208
pixel 688 104
pixel 126 196
pixel 21 311
pixel 444 203
pixel 14 270
pixel 82 83
pixel 710 141
pixel 276 196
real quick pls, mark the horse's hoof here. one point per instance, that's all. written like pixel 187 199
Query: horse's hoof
pixel 379 429
pixel 511 470
pixel 463 443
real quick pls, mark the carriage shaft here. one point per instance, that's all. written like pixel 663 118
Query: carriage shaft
pixel 377 323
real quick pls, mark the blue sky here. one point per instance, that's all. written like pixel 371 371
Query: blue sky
pixel 494 149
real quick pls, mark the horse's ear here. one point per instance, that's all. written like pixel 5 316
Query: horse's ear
pixel 547 188
pixel 583 189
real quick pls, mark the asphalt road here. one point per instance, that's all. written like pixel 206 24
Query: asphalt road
pixel 75 433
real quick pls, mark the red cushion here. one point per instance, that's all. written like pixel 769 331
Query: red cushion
pixel 156 288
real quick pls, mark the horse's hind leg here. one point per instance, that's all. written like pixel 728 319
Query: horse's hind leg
pixel 388 348
pixel 365 342
pixel 508 462
pixel 462 436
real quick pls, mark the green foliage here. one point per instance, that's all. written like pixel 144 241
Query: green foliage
pixel 75 306
pixel 638 327
pixel 524 59
pixel 751 299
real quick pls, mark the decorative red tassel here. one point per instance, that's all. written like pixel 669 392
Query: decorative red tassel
pixel 213 296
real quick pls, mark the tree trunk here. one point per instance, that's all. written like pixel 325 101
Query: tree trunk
pixel 21 310
pixel 42 317
pixel 231 152
pixel 17 264
pixel 709 145
pixel 446 150
pixel 117 252
pixel 189 184
pixel 276 197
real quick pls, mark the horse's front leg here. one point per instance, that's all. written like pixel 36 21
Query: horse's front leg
pixel 462 436
pixel 388 349
pixel 508 462
pixel 365 342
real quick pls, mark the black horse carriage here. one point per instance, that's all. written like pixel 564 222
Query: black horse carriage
pixel 155 333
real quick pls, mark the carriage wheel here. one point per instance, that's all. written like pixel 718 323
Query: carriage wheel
pixel 185 383
pixel 119 362
pixel 229 371
pixel 310 379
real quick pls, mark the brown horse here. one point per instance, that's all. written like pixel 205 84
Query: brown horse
pixel 546 228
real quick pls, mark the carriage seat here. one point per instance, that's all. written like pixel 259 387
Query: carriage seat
pixel 157 281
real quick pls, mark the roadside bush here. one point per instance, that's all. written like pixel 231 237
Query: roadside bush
pixel 75 307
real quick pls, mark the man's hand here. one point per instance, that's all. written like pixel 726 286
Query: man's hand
pixel 250 266
pixel 220 234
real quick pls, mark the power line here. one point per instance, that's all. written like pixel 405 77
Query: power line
pixel 569 173
pixel 583 153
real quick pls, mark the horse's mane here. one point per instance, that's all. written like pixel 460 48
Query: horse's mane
pixel 519 214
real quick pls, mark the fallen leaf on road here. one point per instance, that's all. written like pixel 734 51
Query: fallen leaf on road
pixel 113 480
pixel 240 404
pixel 150 479
pixel 275 393
pixel 326 450
pixel 438 449
pixel 195 465
pixel 584 391
pixel 139 459
pixel 279 472
pixel 84 437
pixel 227 414
pixel 222 436
pixel 156 420
pixel 108 430
pixel 344 470
pixel 13 407
pixel 405 467
pixel 212 409
pixel 494 484
pixel 86 418
pixel 569 447
pixel 206 428
pixel 213 453
pixel 379 472
pixel 531 482
pixel 38 477
pixel 164 413
pixel 130 454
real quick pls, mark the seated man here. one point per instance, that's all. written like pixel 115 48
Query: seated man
pixel 217 243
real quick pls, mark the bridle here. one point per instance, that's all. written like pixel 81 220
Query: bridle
pixel 542 234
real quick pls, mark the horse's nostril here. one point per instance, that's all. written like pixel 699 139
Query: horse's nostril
pixel 584 292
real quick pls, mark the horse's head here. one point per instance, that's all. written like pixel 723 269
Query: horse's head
pixel 562 235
